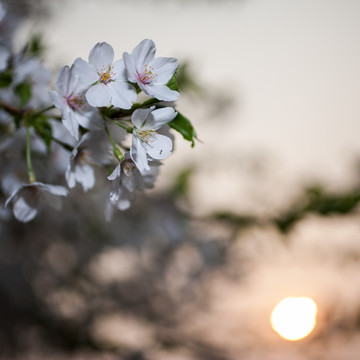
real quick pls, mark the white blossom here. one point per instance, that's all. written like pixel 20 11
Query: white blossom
pixel 146 139
pixel 126 180
pixel 106 80
pixel 149 73
pixel 28 198
pixel 91 149
pixel 69 98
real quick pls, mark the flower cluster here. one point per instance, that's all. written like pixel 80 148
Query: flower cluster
pixel 85 120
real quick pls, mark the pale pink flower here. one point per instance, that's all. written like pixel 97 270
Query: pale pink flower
pixel 146 140
pixel 106 80
pixel 149 73
pixel 28 198
pixel 69 98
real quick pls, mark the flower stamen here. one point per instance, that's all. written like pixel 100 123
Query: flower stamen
pixel 146 135
pixel 148 75
pixel 106 76
pixel 75 102
pixel 84 156
pixel 128 167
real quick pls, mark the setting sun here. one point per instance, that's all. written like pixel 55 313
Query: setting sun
pixel 294 317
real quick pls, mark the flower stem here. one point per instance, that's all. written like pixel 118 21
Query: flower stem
pixel 30 170
pixel 64 145
pixel 43 111
pixel 129 129
pixel 117 152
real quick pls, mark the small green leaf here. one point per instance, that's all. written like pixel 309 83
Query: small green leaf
pixel 183 125
pixel 5 79
pixel 172 84
pixel 109 111
pixel 23 91
pixel 35 46
pixel 43 128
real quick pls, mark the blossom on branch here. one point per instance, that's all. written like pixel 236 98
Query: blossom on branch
pixel 69 98
pixel 146 140
pixel 106 80
pixel 126 180
pixel 28 198
pixel 149 73
pixel 91 149
pixel 96 101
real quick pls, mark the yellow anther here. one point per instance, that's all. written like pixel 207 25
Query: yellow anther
pixel 75 102
pixel 148 75
pixel 128 167
pixel 84 156
pixel 106 76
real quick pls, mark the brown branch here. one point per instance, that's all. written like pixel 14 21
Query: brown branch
pixel 12 109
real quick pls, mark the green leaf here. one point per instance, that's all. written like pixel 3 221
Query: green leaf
pixel 183 125
pixel 23 91
pixel 35 46
pixel 43 128
pixel 5 79
pixel 172 84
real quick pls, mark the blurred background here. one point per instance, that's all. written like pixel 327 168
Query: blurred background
pixel 264 207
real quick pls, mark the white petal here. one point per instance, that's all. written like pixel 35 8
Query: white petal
pixel 70 176
pixel 160 92
pixel 130 67
pixel 115 174
pixel 138 154
pixel 13 195
pixel 123 94
pixel 101 56
pixel 69 121
pixel 139 115
pixel 62 80
pixel 160 148
pixel 85 72
pixel 164 68
pixel 119 71
pixel 58 100
pixel 85 176
pixel 22 211
pixel 143 54
pixel 89 120
pixel 76 87
pixel 159 118
pixel 52 189
pixel 98 95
